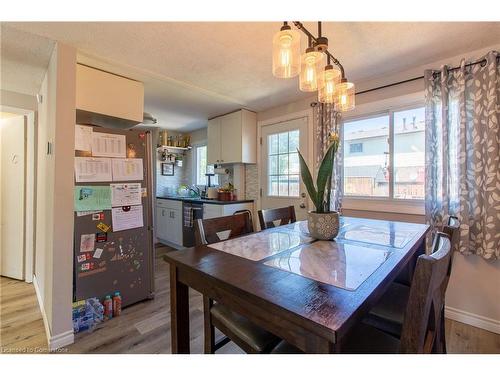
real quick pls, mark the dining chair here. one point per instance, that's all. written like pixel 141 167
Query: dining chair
pixel 388 314
pixel 285 215
pixel 248 336
pixel 422 317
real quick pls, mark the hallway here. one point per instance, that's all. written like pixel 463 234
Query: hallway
pixel 21 322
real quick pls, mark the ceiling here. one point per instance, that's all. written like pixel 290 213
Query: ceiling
pixel 193 71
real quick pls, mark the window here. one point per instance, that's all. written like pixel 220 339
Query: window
pixel 355 147
pixel 371 169
pixel 201 167
pixel 366 173
pixel 283 164
pixel 409 154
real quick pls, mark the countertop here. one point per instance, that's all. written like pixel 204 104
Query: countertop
pixel 199 200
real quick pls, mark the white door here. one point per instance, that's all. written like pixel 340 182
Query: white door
pixel 280 177
pixel 12 197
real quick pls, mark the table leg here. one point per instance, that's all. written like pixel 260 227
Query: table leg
pixel 318 345
pixel 179 313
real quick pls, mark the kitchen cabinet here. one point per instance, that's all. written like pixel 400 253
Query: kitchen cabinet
pixel 232 138
pixel 218 210
pixel 106 99
pixel 169 221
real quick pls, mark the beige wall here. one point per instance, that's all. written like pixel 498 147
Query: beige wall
pixel 474 288
pixel 54 218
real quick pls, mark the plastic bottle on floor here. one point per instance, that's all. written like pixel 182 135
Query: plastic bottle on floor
pixel 108 307
pixel 117 304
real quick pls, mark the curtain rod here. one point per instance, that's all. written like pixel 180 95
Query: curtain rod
pixel 482 62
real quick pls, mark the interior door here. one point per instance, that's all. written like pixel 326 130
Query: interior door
pixel 281 182
pixel 12 189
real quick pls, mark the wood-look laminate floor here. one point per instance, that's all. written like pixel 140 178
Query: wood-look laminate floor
pixel 21 322
pixel 145 327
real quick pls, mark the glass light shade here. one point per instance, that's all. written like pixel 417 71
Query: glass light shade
pixel 329 81
pixel 345 96
pixel 310 71
pixel 286 54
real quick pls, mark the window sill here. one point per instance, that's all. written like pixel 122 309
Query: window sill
pixel 408 207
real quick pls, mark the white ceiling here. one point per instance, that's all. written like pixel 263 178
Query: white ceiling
pixel 193 71
pixel 24 60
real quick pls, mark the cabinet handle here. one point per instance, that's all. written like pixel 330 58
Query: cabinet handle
pixel 162 212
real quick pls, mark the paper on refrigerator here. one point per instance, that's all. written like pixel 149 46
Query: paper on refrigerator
pixel 92 198
pixel 83 138
pixel 126 194
pixel 127 217
pixel 130 169
pixel 108 145
pixel 93 169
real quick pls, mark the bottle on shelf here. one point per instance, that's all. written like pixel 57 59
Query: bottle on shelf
pixel 117 304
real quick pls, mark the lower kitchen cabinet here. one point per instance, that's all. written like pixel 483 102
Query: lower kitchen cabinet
pixel 218 210
pixel 169 221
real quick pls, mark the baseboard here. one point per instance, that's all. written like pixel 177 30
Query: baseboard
pixel 475 320
pixel 57 341
pixel 61 340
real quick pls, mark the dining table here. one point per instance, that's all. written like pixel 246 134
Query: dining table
pixel 305 291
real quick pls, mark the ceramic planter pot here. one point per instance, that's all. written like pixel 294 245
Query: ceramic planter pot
pixel 323 226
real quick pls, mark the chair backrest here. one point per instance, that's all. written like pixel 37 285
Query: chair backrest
pixel 285 215
pixel 423 317
pixel 451 229
pixel 209 231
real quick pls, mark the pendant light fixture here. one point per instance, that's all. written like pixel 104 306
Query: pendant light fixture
pixel 286 52
pixel 331 77
pixel 345 96
pixel 330 80
pixel 311 65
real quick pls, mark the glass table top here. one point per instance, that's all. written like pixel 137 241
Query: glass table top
pixel 377 233
pixel 342 265
pixel 260 245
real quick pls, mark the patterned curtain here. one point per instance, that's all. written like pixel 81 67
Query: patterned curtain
pixel 462 153
pixel 327 120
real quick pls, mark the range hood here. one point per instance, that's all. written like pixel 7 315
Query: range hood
pixel 108 100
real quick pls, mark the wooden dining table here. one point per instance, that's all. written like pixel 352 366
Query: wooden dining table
pixel 310 293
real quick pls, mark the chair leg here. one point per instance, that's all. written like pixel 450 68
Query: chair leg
pixel 209 330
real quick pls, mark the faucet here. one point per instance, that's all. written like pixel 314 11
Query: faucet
pixel 196 190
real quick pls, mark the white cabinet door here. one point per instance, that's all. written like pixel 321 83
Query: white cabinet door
pixel 175 226
pixel 214 141
pixel 161 223
pixel 230 131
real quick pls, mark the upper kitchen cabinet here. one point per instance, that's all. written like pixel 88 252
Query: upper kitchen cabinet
pixel 106 99
pixel 232 138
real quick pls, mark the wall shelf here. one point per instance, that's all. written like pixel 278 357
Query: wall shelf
pixel 174 148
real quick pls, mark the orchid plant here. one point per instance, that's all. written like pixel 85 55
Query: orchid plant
pixel 321 193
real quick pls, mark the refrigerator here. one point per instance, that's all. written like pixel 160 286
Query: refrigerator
pixel 109 255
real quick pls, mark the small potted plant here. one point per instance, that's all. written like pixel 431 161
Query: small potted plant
pixel 225 193
pixel 323 224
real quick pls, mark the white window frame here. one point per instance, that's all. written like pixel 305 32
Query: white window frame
pixel 194 151
pixel 383 204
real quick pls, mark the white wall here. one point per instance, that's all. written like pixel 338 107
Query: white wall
pixel 54 216
pixel 473 294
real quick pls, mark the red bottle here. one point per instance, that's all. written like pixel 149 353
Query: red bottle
pixel 108 307
pixel 117 304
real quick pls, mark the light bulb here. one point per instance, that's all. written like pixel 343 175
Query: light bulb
pixel 330 80
pixel 312 63
pixel 286 53
pixel 345 96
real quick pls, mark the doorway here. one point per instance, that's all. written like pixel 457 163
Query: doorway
pixel 12 194
pixel 281 184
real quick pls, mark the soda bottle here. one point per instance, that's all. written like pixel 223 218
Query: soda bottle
pixel 117 304
pixel 108 307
